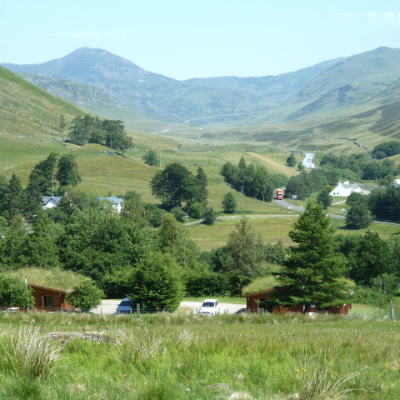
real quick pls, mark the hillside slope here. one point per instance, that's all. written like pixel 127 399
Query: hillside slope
pixel 26 109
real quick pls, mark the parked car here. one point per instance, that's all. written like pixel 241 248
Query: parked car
pixel 209 307
pixel 125 306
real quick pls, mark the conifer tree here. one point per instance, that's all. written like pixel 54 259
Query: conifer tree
pixel 242 164
pixel 324 198
pixel 15 197
pixel 201 180
pixel 33 199
pixel 313 270
pixel 229 203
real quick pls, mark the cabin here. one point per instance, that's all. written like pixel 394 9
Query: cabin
pixel 262 302
pixel 48 299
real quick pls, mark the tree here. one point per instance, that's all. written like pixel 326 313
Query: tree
pixel 14 292
pixel 324 198
pixel 44 173
pixel 300 166
pixel 229 203
pixel 313 270
pixel 291 160
pixel 201 181
pixel 171 236
pixel 359 216
pixel 244 252
pixel 33 202
pixel 151 158
pixel 209 216
pixel 157 282
pixel 62 125
pixel 15 197
pixel 174 184
pixel 196 210
pixel 67 174
pixel 85 296
pixel 242 164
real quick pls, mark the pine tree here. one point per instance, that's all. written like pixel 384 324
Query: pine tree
pixel 209 216
pixel 33 199
pixel 15 197
pixel 359 216
pixel 45 173
pixel 201 180
pixel 324 198
pixel 313 270
pixel 229 203
pixel 242 164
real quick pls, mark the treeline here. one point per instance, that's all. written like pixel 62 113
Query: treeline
pixel 255 180
pixel 51 176
pixel 359 166
pixel 110 133
pixel 305 183
pixel 386 149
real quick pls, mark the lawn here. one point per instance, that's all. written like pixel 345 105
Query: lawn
pixel 175 356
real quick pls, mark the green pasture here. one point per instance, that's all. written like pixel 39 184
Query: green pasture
pixel 176 356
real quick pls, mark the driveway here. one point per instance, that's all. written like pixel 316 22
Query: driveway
pixel 110 307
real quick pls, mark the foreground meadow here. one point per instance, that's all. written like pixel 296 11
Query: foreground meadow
pixel 172 356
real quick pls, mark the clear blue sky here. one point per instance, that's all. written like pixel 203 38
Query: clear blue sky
pixel 199 38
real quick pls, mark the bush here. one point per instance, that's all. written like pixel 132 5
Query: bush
pixel 86 295
pixel 14 292
pixel 370 297
pixel 178 213
pixel 196 210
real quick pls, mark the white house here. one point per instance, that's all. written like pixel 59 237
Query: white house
pixel 50 201
pixel 396 182
pixel 115 201
pixel 345 189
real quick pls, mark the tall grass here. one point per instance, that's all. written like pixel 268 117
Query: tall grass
pixel 30 353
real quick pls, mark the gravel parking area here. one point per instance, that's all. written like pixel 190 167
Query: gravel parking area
pixel 110 307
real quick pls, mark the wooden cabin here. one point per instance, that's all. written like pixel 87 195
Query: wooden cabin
pixel 266 302
pixel 48 299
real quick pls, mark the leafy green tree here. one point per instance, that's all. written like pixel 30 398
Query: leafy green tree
pixel 3 194
pixel 291 160
pixel 154 215
pixel 313 270
pixel 44 172
pixel 209 216
pixel 279 180
pixel 172 236
pixel 275 254
pixel 244 252
pixel 151 158
pixel 300 166
pixel 67 174
pixel 229 203
pixel 324 198
pixel 359 216
pixel 175 184
pixel 33 202
pixel 196 210
pixel 201 181
pixel 385 284
pixel 179 214
pixel 387 149
pixel 369 257
pixel 14 292
pixel 41 249
pixel 157 282
pixel 85 296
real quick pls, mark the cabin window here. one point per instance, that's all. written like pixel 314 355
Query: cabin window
pixel 47 301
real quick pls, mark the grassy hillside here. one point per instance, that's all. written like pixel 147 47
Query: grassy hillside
pixel 28 110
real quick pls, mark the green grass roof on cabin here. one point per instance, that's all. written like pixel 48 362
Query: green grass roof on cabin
pixel 262 284
pixel 53 278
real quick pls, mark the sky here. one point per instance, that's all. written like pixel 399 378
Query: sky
pixel 184 39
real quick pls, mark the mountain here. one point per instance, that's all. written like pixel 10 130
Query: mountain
pixel 349 82
pixel 227 100
pixel 27 110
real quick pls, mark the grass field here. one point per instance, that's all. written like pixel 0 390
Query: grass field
pixel 174 356
pixel 272 230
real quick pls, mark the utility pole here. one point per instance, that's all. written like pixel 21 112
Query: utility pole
pixel 263 203
pixel 242 197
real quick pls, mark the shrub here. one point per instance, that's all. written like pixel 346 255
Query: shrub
pixel 196 210
pixel 229 203
pixel 86 295
pixel 178 213
pixel 14 292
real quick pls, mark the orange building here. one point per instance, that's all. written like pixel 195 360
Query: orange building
pixel 48 299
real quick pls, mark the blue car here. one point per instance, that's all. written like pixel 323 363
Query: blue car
pixel 125 306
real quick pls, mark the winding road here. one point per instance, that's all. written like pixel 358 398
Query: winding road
pixel 308 160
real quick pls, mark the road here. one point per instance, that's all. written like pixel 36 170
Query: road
pixel 308 160
pixel 110 307
pixel 289 206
